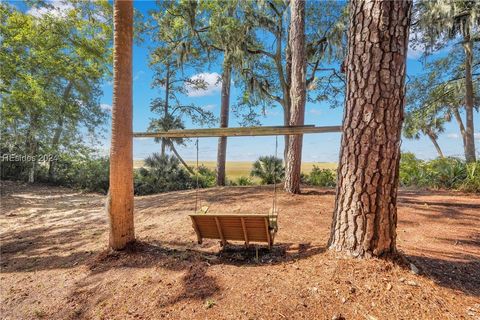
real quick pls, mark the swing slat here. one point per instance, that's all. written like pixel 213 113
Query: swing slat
pixel 233 227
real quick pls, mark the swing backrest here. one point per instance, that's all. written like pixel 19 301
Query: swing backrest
pixel 234 227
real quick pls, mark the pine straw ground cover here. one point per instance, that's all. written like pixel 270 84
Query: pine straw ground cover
pixel 54 264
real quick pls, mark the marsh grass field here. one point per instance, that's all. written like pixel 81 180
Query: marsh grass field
pixel 237 169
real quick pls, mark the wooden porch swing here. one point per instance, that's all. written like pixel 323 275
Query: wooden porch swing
pixel 246 227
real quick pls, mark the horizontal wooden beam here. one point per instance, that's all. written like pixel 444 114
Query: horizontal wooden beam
pixel 238 132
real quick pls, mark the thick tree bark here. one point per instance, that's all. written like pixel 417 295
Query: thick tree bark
pixel 433 138
pixel 365 216
pixel 224 113
pixel 120 198
pixel 297 95
pixel 469 128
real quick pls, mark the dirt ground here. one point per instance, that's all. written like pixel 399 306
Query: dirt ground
pixel 54 263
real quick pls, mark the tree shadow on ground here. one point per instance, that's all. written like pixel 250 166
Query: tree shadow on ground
pixel 196 284
pixel 461 272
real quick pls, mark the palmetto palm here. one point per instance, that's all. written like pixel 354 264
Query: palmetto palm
pixel 269 169
pixel 166 123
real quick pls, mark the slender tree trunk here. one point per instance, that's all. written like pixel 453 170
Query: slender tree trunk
pixel 175 152
pixel 284 83
pixel 469 130
pixel 435 143
pixel 365 216
pixel 297 95
pixel 166 106
pixel 458 118
pixel 58 132
pixel 224 113
pixel 33 167
pixel 31 146
pixel 120 197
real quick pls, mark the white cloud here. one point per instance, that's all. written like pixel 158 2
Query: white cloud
pixel 58 9
pixel 138 75
pixel 271 113
pixel 458 136
pixel 314 111
pixel 453 136
pixel 106 107
pixel 213 84
pixel 209 107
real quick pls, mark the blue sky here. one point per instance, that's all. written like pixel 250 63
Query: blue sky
pixel 317 147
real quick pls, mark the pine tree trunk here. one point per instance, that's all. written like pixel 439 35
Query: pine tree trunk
pixel 297 95
pixel 224 113
pixel 365 216
pixel 435 143
pixel 120 198
pixel 469 128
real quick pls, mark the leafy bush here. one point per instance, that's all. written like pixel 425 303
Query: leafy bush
pixel 206 177
pixel 472 181
pixel 86 173
pixel 411 172
pixel 242 181
pixel 161 174
pixel 322 177
pixel 268 169
pixel 445 173
pixel 440 173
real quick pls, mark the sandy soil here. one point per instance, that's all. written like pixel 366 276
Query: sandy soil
pixel 54 263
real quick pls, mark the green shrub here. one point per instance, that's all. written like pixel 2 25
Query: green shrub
pixel 472 180
pixel 322 177
pixel 161 174
pixel 268 169
pixel 411 171
pixel 445 173
pixel 244 181
pixel 440 173
pixel 206 177
pixel 85 173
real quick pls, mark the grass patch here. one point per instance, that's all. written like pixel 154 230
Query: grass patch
pixel 237 169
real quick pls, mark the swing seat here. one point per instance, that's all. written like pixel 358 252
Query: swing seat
pixel 235 227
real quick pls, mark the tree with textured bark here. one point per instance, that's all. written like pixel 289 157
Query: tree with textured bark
pixel 209 30
pixel 365 215
pixel 297 94
pixel 437 25
pixel 176 50
pixel 120 196
pixel 267 75
pixel 171 112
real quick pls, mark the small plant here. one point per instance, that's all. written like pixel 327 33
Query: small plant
pixel 472 180
pixel 207 177
pixel 269 169
pixel 322 177
pixel 244 181
pixel 209 303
